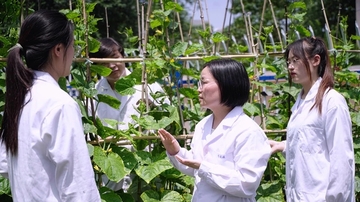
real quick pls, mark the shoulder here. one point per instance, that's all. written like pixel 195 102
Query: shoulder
pixel 333 99
pixel 101 83
pixel 155 87
pixel 203 121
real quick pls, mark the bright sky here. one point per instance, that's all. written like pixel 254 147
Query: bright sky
pixel 216 12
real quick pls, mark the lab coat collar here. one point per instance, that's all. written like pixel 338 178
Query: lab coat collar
pixel 44 76
pixel 225 124
pixel 105 84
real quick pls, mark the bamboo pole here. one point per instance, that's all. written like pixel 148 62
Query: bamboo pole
pixel 156 137
pixel 276 24
pixel 106 22
pixel 324 12
pixel 207 15
pixel 180 28
pixel 246 22
pixel 185 58
pixel 202 15
pixel 139 27
pixel 192 19
pixel 257 50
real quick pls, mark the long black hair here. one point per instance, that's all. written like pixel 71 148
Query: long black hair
pixel 40 32
pixel 306 48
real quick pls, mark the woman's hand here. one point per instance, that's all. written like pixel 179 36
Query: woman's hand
pixel 276 146
pixel 170 143
pixel 190 163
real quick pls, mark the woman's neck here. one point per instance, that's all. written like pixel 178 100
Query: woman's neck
pixel 219 114
pixel 111 84
pixel 307 87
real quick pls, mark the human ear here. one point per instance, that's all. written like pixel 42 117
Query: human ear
pixel 57 49
pixel 316 60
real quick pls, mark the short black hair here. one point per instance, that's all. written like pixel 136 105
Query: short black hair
pixel 232 79
pixel 107 48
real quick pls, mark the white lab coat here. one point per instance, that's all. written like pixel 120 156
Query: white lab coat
pixel 123 114
pixel 53 162
pixel 128 105
pixel 319 150
pixel 233 158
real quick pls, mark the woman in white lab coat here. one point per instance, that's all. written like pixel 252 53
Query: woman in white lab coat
pixel 109 48
pixel 43 148
pixel 319 146
pixel 229 151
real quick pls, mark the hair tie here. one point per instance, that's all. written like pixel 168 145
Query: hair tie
pixel 16 45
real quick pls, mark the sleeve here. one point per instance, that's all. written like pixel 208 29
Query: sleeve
pixel 3 161
pixel 74 176
pixel 338 131
pixel 251 154
pixel 155 87
pixel 183 153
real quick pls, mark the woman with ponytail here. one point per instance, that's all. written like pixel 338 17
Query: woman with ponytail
pixel 43 149
pixel 319 147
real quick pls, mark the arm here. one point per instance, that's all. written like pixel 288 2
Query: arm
pixel 251 155
pixel 341 154
pixel 63 131
pixel 173 149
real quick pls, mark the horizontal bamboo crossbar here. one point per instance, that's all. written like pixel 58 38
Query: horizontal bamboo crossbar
pixel 124 141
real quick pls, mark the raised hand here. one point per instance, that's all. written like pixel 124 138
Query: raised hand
pixel 170 143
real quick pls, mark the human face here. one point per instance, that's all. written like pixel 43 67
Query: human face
pixel 118 68
pixel 68 58
pixel 209 92
pixel 297 70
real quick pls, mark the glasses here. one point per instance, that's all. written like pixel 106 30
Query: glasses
pixel 206 82
pixel 293 61
pixel 200 84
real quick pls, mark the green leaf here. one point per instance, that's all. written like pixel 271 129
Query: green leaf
pixel 4 186
pixel 190 93
pixel 63 84
pixel 110 100
pixel 293 91
pixel 268 29
pixel 355 118
pixel 179 49
pixel 169 195
pixel 164 122
pixel 108 195
pixel 127 156
pixel 90 149
pixel 174 114
pixel 173 6
pixel 125 85
pixel 251 109
pixel 270 192
pixel 150 196
pixel 89 128
pixel 101 70
pixel 155 23
pixel 193 48
pixel 149 171
pixel 218 37
pixel 94 45
pixel 110 163
pixel 357 184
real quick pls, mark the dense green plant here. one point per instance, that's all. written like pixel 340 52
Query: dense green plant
pixel 153 177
